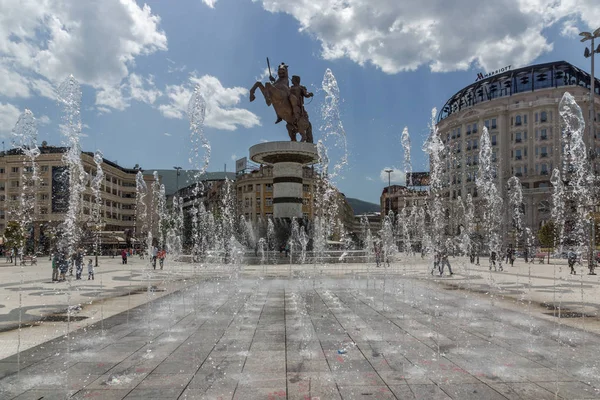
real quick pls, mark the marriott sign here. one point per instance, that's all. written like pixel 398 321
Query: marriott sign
pixel 481 75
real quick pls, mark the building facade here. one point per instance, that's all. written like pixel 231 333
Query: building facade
pixel 118 194
pixel 520 109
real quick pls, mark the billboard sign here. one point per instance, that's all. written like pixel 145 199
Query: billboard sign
pixel 241 165
pixel 417 179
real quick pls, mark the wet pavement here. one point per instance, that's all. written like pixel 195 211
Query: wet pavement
pixel 300 338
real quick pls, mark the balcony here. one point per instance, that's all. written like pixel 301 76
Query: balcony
pixel 468 148
pixel 518 123
pixel 474 130
pixel 518 140
pixel 543 137
pixel 494 126
pixel 519 174
pixel 544 173
pixel 543 155
pixel 542 120
pixel 494 143
pixel 474 147
pixel 458 135
pixel 468 132
pixel 518 157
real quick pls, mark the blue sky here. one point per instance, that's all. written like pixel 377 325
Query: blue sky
pixel 138 63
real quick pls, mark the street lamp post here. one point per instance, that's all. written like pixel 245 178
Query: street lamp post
pixel 178 169
pixel 389 199
pixel 592 150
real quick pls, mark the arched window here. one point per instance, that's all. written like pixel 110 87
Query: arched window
pixel 518 120
pixel 544 116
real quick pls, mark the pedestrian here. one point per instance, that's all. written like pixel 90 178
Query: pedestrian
pixel 572 259
pixel 526 254
pixel 63 267
pixel 436 261
pixel 124 256
pixel 493 259
pixel 54 268
pixel 444 261
pixel 90 269
pixel 161 258
pixel 78 260
pixel 154 255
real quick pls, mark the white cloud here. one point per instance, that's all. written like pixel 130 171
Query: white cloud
pixel 369 178
pixel 135 88
pixel 396 176
pixel 404 35
pixel 221 112
pixel 167 134
pixel 45 120
pixel 41 42
pixel 210 3
pixel 234 157
pixel 9 115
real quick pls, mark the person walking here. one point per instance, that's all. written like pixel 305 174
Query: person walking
pixel 78 260
pixel 444 261
pixel 493 259
pixel 154 256
pixel 436 261
pixel 161 258
pixel 63 267
pixel 90 269
pixel 124 256
pixel 54 268
pixel 572 259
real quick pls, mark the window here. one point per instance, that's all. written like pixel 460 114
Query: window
pixel 269 187
pixel 543 116
pixel 305 201
pixel 518 120
pixel 1 170
pixel 269 201
pixel 518 137
pixel 15 169
pixel 14 184
pixel 28 170
pixel 518 155
pixel 2 214
pixel 250 188
pixel 474 144
pixel 45 168
pixel 525 119
pixel 494 123
pixel 487 123
pixel 44 196
pixel 43 210
pixel 2 197
pixel 543 134
pixel 468 129
pixel 544 152
pixel 305 188
pixel 494 141
pixel 247 202
pixel 475 127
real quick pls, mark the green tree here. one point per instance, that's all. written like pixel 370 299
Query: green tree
pixel 14 237
pixel 547 236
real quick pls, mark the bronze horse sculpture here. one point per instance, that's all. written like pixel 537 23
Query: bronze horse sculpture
pixel 287 102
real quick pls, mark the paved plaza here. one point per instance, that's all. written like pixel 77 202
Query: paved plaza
pixel 343 331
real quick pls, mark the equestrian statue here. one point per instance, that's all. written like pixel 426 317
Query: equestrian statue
pixel 287 101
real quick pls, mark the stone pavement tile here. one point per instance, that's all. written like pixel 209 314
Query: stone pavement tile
pixel 352 365
pixel 212 393
pixel 522 390
pixel 166 381
pixel 329 392
pixel 118 381
pixel 411 374
pixel 419 392
pixel 572 390
pixel 307 365
pixel 177 367
pixel 270 346
pixel 227 364
pixel 158 393
pixel 264 365
pixel 104 394
pixel 202 382
pixel 469 391
pixel 260 380
pixel 276 392
pixel 366 392
pixel 355 378
pixel 308 379
pixel 45 394
pixel 90 368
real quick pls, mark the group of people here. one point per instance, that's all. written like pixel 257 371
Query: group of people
pixel 440 260
pixel 61 265
pixel 156 254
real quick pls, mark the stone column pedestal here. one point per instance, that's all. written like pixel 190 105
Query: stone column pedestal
pixel 287 159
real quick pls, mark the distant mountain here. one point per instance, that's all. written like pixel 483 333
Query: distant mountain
pixel 361 207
